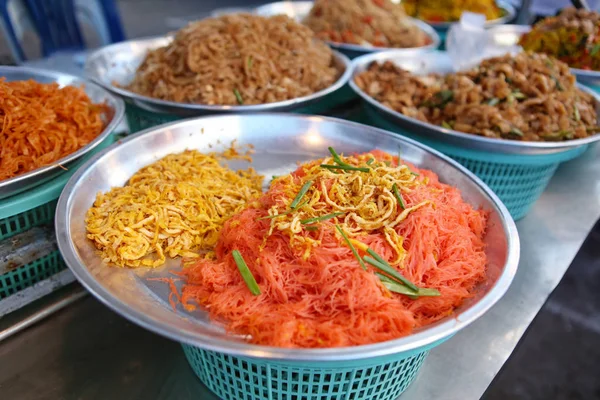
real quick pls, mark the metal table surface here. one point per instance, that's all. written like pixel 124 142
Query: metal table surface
pixel 87 352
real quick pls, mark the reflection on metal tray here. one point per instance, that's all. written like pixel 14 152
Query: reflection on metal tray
pixel 279 141
pixel 97 94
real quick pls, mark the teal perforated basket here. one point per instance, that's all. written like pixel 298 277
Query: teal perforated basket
pixel 26 210
pixel 139 119
pixel 244 378
pixel 518 180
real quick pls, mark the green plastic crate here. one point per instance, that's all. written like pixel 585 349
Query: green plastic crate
pixel 26 210
pixel 26 220
pixel 244 378
pixel 27 275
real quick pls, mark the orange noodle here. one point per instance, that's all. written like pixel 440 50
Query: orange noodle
pixel 313 290
pixel 42 123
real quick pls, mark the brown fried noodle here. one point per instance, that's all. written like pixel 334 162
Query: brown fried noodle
pixel 526 97
pixel 237 59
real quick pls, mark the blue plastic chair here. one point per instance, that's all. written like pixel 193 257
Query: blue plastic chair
pixel 57 23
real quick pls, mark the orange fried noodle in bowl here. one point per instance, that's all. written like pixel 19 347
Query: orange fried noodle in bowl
pixel 42 123
pixel 308 241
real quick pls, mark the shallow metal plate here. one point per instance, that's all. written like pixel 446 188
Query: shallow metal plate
pixel 300 9
pixel 280 141
pixel 12 186
pixel 118 63
pixel 509 35
pixel 439 62
pixel 509 10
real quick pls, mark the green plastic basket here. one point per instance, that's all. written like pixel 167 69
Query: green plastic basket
pixel 26 210
pixel 41 215
pixel 139 119
pixel 27 275
pixel 518 180
pixel 243 378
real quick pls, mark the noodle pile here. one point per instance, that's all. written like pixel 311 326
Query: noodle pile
pixel 573 37
pixel 314 291
pixel 451 10
pixel 42 123
pixel 378 23
pixel 237 59
pixel 174 207
pixel 524 97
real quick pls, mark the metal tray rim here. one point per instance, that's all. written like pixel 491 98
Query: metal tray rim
pixel 468 140
pixel 119 111
pixel 429 336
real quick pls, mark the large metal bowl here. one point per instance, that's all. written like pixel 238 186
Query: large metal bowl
pixel 300 9
pixel 508 36
pixel 118 63
pixel 439 62
pixel 97 94
pixel 279 140
pixel 509 14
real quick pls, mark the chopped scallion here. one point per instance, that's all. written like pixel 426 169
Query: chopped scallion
pixel 301 194
pixel 336 157
pixel 493 101
pixel 446 125
pixel 398 196
pixel 345 167
pixel 516 131
pixel 370 161
pixel 395 287
pixel 576 114
pixel 322 218
pixel 349 243
pixel 383 265
pixel 246 273
pixel 238 96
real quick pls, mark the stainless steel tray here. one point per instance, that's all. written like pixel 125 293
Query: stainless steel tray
pixel 508 36
pixel 118 63
pixel 97 94
pixel 439 62
pixel 300 9
pixel 510 14
pixel 280 141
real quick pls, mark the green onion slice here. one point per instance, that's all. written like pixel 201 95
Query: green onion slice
pixel 245 272
pixel 360 260
pixel 319 219
pixel 305 202
pixel 301 194
pixel 383 265
pixel 238 96
pixel 345 167
pixel 401 289
pixel 398 196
